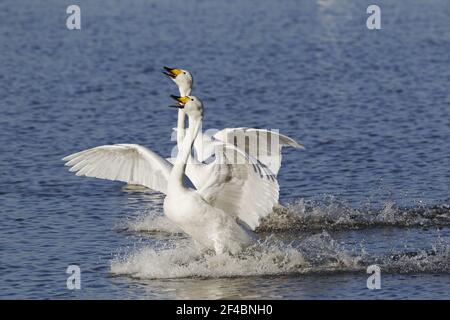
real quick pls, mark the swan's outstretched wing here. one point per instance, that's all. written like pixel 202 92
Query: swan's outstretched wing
pixel 129 163
pixel 262 144
pixel 240 185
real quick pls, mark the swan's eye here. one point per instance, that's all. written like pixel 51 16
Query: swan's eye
pixel 192 99
pixel 184 72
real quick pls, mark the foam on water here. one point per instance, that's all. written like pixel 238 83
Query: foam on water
pixel 317 253
pixel 174 255
pixel 187 261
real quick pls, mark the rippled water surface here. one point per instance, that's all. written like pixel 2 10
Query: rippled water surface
pixel 371 107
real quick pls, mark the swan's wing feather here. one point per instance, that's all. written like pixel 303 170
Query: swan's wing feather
pixel 262 144
pixel 130 163
pixel 241 186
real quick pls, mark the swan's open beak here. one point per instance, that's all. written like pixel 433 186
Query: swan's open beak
pixel 172 73
pixel 181 101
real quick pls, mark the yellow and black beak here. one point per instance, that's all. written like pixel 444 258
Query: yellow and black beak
pixel 172 73
pixel 180 100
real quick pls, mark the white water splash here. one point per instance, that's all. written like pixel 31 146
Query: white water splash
pixel 332 214
pixel 318 253
pixel 269 257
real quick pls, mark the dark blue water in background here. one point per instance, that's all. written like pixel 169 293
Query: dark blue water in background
pixel 371 107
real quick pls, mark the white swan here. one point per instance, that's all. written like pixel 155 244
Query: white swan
pixel 248 190
pixel 262 144
pixel 194 211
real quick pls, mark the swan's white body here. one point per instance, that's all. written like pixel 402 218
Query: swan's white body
pixel 210 214
pixel 192 211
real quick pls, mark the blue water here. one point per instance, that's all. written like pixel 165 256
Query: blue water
pixel 371 107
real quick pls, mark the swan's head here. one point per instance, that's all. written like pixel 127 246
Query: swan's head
pixel 182 78
pixel 192 105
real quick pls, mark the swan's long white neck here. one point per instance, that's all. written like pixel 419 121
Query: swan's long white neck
pixel 177 173
pixel 181 124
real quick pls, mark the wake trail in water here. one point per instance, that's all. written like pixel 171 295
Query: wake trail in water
pixel 333 214
pixel 308 215
pixel 275 255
